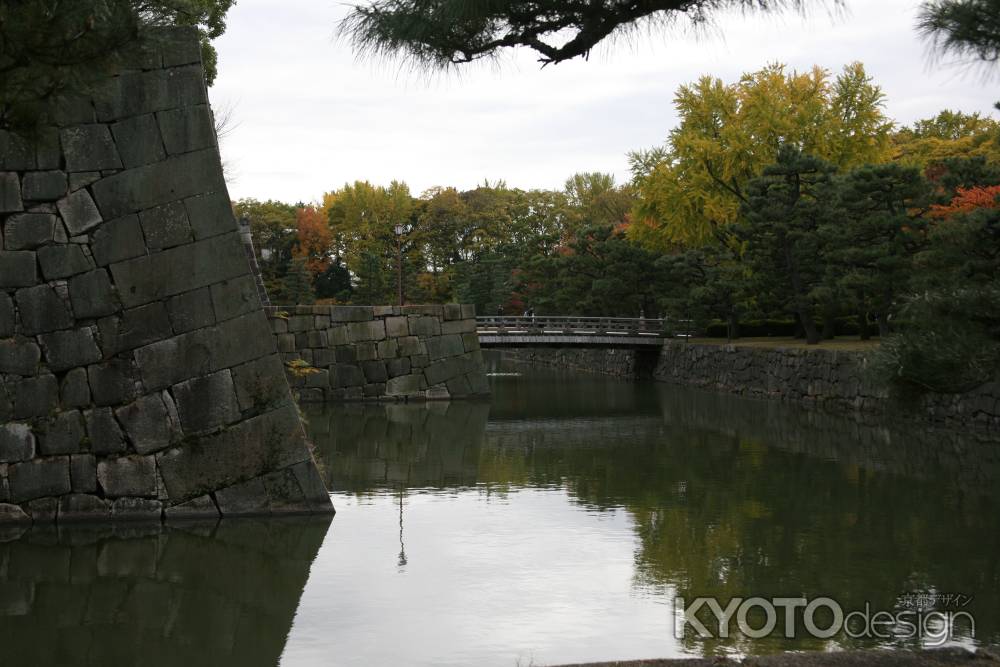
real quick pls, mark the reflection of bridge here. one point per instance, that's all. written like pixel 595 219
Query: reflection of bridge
pixel 570 332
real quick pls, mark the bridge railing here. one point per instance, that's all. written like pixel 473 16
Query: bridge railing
pixel 574 326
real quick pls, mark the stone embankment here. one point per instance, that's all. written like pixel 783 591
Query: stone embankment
pixel 138 374
pixel 837 380
pixel 390 353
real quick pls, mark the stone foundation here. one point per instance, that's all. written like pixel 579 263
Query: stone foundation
pixel 380 353
pixel 834 379
pixel 138 376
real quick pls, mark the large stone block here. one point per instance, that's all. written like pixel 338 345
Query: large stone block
pixel 202 507
pixel 178 270
pixel 441 371
pixel 70 348
pixel 91 294
pixel 137 93
pixel 27 231
pixel 16 152
pixel 136 509
pixel 245 499
pixel 210 215
pixel 149 424
pixel 404 385
pixel 173 360
pixel 206 403
pixel 39 478
pixel 113 382
pixel 246 450
pixel 79 212
pixel 396 327
pixel 118 240
pixel 139 141
pixel 19 356
pixel 396 367
pixel 452 311
pixel 63 434
pixel 261 385
pixel 351 313
pixel 187 129
pixel 458 327
pixel 89 148
pixel 179 45
pixel 77 507
pixel 191 310
pixel 347 375
pixel 134 328
pixel 63 260
pixel 235 297
pixel 241 339
pixel 6 317
pixel 42 310
pixel 165 226
pixel 44 185
pixel 10 193
pixel 374 371
pixel 365 331
pixel 36 397
pixel 176 178
pixel 74 389
pixel 424 326
pixel 17 443
pixel 103 432
pixel 83 473
pixel 18 269
pixel 439 347
pixel 128 476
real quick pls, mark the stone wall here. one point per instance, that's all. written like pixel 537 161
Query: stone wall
pixel 138 376
pixel 833 379
pixel 353 353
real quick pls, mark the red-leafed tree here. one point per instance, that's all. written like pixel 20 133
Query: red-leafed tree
pixel 968 200
pixel 314 239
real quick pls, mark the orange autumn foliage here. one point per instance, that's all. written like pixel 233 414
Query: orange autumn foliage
pixel 314 238
pixel 968 200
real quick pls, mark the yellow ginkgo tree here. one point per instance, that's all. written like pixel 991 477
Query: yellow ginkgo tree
pixel 728 134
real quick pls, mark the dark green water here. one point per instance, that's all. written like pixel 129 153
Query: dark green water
pixel 556 523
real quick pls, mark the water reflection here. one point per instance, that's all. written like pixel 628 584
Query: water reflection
pixel 221 594
pixel 727 497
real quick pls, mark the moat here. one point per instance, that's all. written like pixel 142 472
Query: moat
pixel 555 523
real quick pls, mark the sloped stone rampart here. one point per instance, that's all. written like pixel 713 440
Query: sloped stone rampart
pixel 387 353
pixel 138 375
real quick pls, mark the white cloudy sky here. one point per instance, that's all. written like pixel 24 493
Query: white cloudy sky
pixel 310 117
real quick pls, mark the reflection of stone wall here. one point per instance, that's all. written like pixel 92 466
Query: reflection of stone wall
pixel 833 379
pixel 381 352
pixel 360 447
pixel 201 595
pixel 137 369
pixel 619 363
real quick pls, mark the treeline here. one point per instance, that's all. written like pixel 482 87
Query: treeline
pixel 786 203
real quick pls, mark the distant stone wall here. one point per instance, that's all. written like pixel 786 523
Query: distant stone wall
pixel 138 376
pixel 353 353
pixel 834 379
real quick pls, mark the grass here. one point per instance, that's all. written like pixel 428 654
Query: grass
pixel 845 343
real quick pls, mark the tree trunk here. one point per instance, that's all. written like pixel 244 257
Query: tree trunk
pixel 733 326
pixel 829 324
pixel 883 325
pixel 863 329
pixel 812 333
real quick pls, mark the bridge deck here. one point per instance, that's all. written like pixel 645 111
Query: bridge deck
pixel 551 331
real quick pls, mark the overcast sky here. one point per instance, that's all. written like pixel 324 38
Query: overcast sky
pixel 309 116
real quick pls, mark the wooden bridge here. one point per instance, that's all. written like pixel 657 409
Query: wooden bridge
pixel 547 331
